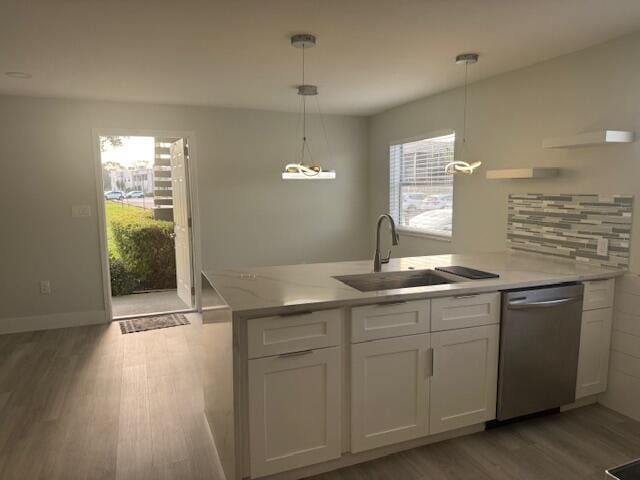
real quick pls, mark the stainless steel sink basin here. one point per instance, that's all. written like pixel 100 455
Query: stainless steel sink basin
pixel 368 282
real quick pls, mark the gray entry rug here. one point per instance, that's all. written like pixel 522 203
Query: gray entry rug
pixel 142 324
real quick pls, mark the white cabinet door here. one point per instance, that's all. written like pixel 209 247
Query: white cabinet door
pixel 465 376
pixel 593 360
pixel 389 391
pixel 294 410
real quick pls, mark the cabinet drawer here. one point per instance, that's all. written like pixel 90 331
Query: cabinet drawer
pixel 598 294
pixel 293 333
pixel 388 320
pixel 464 311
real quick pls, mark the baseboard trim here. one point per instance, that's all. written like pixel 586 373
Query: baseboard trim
pixel 52 321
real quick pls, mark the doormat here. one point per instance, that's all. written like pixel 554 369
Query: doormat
pixel 152 323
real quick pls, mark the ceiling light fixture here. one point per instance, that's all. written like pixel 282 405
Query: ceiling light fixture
pixel 459 166
pixel 302 170
pixel 22 75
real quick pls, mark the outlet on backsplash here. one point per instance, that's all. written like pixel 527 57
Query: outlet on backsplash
pixel 603 246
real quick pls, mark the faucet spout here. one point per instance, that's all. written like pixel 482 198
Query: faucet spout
pixel 378 260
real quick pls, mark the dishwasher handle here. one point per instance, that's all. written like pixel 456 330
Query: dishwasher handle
pixel 542 304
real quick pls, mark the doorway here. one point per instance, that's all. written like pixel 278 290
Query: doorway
pixel 147 224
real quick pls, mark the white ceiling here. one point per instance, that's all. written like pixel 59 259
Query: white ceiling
pixel 371 54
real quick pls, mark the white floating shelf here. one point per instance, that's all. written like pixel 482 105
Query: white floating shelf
pixel 600 137
pixel 328 175
pixel 516 173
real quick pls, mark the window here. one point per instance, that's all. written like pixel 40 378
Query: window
pixel 421 194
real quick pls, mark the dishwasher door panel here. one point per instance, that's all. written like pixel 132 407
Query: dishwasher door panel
pixel 540 339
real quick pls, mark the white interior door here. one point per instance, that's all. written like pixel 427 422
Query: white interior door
pixel 179 191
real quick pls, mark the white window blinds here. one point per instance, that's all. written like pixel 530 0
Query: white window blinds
pixel 421 194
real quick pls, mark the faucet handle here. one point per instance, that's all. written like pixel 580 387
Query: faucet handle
pixel 387 258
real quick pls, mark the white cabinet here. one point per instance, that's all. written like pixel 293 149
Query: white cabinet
pixel 593 359
pixel 595 337
pixel 463 311
pixel 386 320
pixel 598 294
pixel 294 410
pixel 465 376
pixel 389 391
pixel 269 336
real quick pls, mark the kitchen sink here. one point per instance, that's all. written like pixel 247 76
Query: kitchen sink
pixel 368 282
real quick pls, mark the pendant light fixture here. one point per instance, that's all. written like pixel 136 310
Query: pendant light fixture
pixel 459 166
pixel 305 170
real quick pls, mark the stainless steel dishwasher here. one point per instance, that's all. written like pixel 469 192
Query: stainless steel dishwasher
pixel 539 343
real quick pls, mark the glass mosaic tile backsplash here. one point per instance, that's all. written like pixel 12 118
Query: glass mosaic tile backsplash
pixel 570 225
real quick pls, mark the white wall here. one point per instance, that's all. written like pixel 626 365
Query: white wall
pixel 248 214
pixel 509 115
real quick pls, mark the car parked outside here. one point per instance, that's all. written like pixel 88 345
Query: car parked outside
pixel 413 202
pixel 135 194
pixel 113 195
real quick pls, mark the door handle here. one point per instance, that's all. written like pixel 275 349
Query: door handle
pixel 543 304
pixel 430 362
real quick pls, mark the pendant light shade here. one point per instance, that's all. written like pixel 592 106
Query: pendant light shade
pixel 302 170
pixel 459 165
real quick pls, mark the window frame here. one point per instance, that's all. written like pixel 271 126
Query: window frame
pixel 416 232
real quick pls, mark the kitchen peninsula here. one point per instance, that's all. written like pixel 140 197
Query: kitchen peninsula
pixel 308 374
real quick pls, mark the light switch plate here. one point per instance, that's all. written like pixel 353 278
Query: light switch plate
pixel 45 287
pixel 81 211
pixel 603 246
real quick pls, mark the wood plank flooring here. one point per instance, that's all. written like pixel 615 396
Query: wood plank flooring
pixel 575 445
pixel 90 403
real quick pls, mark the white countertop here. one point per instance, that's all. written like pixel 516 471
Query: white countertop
pixel 263 291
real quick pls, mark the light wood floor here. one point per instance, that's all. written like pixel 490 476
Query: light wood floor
pixel 575 445
pixel 90 403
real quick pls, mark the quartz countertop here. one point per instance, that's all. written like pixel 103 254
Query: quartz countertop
pixel 264 291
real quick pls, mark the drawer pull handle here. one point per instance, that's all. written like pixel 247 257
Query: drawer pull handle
pixel 296 354
pixel 471 295
pixel 293 314
pixel 386 304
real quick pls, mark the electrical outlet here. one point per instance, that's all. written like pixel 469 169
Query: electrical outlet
pixel 81 211
pixel 603 246
pixel 45 287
